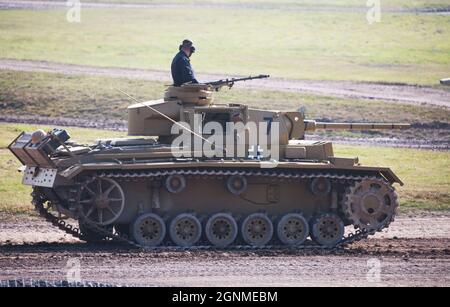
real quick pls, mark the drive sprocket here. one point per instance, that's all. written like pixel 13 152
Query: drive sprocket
pixel 370 204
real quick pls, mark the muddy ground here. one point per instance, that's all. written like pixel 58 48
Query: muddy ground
pixel 414 251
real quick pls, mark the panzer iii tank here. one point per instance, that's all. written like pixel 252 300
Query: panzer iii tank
pixel 140 190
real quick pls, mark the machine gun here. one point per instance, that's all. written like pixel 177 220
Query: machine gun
pixel 217 85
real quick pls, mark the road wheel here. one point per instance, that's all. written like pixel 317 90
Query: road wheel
pixel 327 229
pixel 149 230
pixel 257 229
pixel 292 229
pixel 185 230
pixel 221 229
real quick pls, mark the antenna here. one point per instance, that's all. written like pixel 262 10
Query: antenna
pixel 170 119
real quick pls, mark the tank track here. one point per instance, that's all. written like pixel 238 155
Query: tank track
pixel 43 207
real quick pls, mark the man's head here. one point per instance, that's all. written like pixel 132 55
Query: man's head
pixel 188 47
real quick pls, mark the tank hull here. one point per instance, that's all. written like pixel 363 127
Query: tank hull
pixel 309 189
pixel 207 177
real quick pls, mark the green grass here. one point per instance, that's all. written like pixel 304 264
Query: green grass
pixel 15 197
pixel 295 3
pixel 55 95
pixel 82 135
pixel 426 173
pixel 95 98
pixel 410 48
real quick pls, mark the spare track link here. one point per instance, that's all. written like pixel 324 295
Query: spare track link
pixel 39 202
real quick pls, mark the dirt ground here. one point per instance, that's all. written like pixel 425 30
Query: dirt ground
pixel 414 251
pixel 405 94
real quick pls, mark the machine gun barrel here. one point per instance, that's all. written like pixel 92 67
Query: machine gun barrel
pixel 230 82
pixel 311 125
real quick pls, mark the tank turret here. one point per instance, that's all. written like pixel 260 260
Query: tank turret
pixel 193 105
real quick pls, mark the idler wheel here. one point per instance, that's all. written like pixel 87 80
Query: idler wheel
pixel 293 229
pixel 185 230
pixel 149 230
pixel 221 229
pixel 101 201
pixel 257 229
pixel 327 229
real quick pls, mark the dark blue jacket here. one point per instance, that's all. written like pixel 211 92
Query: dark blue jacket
pixel 182 71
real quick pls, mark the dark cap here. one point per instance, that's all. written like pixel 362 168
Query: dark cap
pixel 187 44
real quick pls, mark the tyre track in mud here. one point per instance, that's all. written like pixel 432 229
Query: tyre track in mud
pixel 252 270
pixel 403 262
pixel 414 251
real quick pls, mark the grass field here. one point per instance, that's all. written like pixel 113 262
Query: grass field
pixel 410 48
pixel 426 173
pixel 275 39
pixel 292 3
pixel 15 197
pixel 96 98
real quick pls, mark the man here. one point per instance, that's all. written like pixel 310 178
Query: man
pixel 182 71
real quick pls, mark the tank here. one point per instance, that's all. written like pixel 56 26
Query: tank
pixel 176 182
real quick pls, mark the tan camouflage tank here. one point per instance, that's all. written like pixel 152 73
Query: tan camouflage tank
pixel 140 191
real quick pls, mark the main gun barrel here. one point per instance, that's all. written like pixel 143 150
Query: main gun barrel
pixel 311 125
